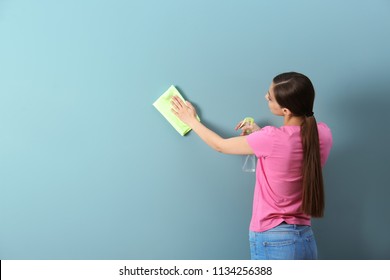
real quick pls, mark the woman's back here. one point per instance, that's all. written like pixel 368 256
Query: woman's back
pixel 278 190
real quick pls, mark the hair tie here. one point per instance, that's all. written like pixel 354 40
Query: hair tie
pixel 310 114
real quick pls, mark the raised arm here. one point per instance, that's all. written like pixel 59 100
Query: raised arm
pixel 187 113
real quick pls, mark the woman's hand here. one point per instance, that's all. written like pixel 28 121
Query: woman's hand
pixel 183 110
pixel 247 127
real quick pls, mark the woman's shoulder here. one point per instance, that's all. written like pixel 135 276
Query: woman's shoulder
pixel 264 132
pixel 269 129
pixel 324 132
pixel 275 131
pixel 323 126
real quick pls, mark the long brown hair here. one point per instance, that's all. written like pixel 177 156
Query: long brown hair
pixel 295 92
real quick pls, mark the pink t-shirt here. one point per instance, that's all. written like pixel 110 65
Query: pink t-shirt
pixel 278 189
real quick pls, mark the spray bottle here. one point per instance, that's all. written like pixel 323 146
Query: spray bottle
pixel 249 160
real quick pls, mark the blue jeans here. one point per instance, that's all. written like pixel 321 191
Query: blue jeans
pixel 283 242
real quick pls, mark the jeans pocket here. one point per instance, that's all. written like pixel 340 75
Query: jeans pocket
pixel 279 250
pixel 310 248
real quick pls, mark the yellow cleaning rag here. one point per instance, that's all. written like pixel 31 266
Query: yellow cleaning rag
pixel 163 105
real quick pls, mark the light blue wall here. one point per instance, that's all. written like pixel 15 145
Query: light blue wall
pixel 90 170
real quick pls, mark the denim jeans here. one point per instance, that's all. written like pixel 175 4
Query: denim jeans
pixel 283 242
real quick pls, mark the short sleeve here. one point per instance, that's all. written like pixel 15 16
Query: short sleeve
pixel 262 141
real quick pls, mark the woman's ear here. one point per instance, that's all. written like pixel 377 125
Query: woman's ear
pixel 286 112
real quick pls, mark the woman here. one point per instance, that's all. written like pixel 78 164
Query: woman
pixel 289 185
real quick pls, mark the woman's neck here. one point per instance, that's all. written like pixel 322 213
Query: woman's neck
pixel 293 120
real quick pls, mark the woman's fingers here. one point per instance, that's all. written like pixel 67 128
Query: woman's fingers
pixel 175 101
pixel 189 105
pixel 238 126
pixel 177 104
pixel 183 109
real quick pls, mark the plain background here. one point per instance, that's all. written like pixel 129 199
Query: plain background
pixel 90 170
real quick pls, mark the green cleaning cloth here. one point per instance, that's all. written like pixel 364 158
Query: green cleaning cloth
pixel 163 105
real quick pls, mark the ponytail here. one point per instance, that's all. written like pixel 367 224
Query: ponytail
pixel 296 92
pixel 313 201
